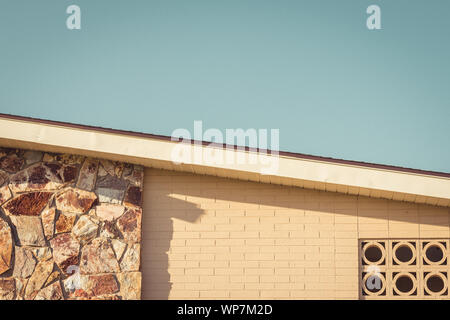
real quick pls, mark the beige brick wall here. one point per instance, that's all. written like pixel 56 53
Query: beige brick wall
pixel 206 238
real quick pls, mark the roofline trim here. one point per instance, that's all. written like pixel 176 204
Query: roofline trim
pixel 149 151
pixel 235 147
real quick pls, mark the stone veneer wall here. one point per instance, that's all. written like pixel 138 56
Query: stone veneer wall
pixel 70 227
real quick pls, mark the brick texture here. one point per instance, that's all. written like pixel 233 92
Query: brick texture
pixel 213 238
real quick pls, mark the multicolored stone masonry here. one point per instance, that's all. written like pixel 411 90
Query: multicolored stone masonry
pixel 70 227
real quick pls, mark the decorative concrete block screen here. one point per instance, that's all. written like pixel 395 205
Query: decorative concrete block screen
pixel 404 268
pixel 70 227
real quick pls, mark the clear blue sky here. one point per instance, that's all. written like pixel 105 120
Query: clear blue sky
pixel 310 68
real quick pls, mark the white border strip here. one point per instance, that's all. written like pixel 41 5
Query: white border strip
pixel 115 144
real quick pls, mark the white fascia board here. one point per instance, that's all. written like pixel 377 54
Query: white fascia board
pixel 152 149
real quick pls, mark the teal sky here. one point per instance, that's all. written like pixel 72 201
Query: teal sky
pixel 309 68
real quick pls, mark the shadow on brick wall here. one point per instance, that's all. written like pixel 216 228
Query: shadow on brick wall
pixel 176 198
pixel 156 243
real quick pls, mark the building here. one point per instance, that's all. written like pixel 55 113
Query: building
pixel 93 213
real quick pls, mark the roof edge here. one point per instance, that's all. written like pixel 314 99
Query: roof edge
pixel 206 143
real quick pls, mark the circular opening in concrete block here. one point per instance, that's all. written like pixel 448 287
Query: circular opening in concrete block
pixel 373 254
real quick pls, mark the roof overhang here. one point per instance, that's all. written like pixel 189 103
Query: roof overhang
pixel 346 177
